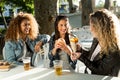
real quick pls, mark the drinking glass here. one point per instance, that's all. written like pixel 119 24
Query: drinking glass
pixel 26 61
pixel 58 66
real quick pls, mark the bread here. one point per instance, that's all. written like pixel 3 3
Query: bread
pixel 4 65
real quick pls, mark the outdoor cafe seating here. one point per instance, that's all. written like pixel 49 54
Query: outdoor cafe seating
pixel 43 72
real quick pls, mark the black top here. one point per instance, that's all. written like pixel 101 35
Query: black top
pixel 101 64
pixel 57 57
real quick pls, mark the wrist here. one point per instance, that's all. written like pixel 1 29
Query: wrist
pixel 40 42
pixel 79 50
pixel 53 51
pixel 68 50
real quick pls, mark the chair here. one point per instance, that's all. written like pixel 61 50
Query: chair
pixel 2 43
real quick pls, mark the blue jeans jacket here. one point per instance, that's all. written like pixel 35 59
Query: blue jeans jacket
pixel 12 51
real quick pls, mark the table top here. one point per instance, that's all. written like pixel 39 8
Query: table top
pixel 39 73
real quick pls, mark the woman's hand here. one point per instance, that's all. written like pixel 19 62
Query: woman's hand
pixel 56 46
pixel 38 46
pixel 59 44
pixel 63 46
pixel 78 47
pixel 75 56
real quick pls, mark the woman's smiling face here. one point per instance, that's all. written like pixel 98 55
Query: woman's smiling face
pixel 63 27
pixel 25 27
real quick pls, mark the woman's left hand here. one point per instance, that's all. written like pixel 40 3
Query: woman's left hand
pixel 63 46
pixel 61 43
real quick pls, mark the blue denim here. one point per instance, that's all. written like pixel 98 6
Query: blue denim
pixel 12 50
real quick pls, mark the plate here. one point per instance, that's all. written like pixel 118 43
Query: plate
pixel 4 67
pixel 3 70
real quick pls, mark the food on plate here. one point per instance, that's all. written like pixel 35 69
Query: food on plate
pixel 4 65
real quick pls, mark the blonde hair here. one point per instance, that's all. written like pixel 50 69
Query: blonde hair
pixel 106 26
pixel 13 32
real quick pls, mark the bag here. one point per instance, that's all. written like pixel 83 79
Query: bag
pixel 41 58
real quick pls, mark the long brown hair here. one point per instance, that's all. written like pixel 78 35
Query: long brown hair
pixel 57 34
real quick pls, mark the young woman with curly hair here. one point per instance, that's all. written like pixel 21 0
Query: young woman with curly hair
pixel 22 39
pixel 104 56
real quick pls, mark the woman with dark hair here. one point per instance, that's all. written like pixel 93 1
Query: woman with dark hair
pixel 60 44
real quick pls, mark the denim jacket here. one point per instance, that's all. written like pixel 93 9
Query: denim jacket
pixel 12 50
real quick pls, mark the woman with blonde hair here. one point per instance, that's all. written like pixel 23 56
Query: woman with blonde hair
pixel 103 58
pixel 22 39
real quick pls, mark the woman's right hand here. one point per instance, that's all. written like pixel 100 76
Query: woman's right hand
pixel 78 47
pixel 38 46
pixel 75 56
pixel 56 46
pixel 60 43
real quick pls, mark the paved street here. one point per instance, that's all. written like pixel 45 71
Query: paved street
pixel 74 19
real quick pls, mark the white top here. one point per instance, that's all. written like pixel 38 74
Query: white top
pixel 64 58
pixel 24 51
pixel 96 51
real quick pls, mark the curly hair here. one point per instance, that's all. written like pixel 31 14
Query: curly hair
pixel 106 26
pixel 13 31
